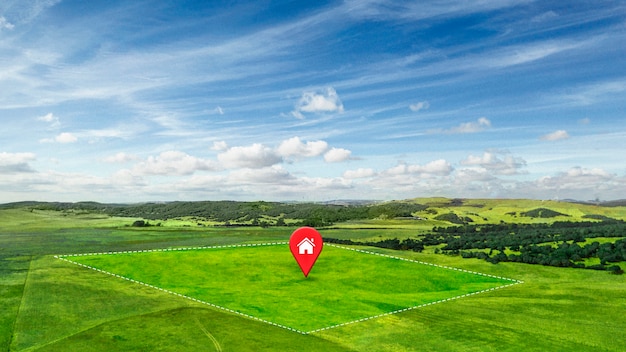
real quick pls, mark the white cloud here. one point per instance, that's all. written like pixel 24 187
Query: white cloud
pixel 126 178
pixel 50 118
pixel 219 146
pixel 121 132
pixel 584 121
pixel 15 162
pixel 359 173
pixel 468 127
pixel 466 176
pixel 508 165
pixel 173 163
pixel 578 178
pixel 434 168
pixel 4 24
pixel 422 105
pixel 267 175
pixel 254 157
pixel 336 155
pixel 546 16
pixel 555 136
pixel 318 102
pixel 63 138
pixel 437 167
pixel 120 158
pixel 294 147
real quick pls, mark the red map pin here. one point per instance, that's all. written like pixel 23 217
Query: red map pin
pixel 306 245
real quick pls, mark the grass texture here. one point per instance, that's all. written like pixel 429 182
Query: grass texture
pixel 265 282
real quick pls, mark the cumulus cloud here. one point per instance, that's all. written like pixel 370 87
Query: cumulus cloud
pixel 359 173
pixel 318 102
pixel 422 105
pixel 577 178
pixel 555 136
pixel 506 165
pixel 50 118
pixel 468 127
pixel 336 155
pixel 120 158
pixel 173 163
pixel 294 147
pixel 437 167
pixel 15 162
pixel 254 157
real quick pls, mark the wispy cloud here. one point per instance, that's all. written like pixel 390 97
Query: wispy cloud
pixel 422 105
pixel 4 24
pixel 120 158
pixel 194 107
pixel 51 119
pixel 467 127
pixel 555 136
pixel 63 138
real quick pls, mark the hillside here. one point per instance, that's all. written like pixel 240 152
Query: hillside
pixel 432 211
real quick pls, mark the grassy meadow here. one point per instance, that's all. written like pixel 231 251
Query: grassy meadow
pixel 50 305
pixel 265 282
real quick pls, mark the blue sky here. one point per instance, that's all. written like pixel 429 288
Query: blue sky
pixel 131 101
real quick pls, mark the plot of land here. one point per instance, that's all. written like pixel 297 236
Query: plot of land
pixel 265 282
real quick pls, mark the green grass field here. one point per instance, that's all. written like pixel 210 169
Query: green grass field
pixel 344 286
pixel 50 305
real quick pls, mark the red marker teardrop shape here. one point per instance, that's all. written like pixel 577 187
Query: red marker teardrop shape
pixel 306 245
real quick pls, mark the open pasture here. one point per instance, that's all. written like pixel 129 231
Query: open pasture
pixel 264 282
pixel 51 305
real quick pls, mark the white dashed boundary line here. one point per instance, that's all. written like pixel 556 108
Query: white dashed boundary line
pixel 64 258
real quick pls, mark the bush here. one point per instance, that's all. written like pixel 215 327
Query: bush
pixel 615 270
pixel 140 223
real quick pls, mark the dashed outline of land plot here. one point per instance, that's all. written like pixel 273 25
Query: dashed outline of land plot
pixel 511 282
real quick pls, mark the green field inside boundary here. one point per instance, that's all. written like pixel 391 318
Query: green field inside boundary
pixel 265 282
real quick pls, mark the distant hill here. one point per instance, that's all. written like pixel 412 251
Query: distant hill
pixel 438 211
pixel 608 203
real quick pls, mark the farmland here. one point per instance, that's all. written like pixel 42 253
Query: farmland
pixel 52 305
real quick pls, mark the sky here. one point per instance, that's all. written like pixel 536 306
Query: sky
pixel 135 101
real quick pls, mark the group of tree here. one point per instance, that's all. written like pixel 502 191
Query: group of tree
pixel 408 244
pixel 554 244
pixel 562 255
pixel 241 213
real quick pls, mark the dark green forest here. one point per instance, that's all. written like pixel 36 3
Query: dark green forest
pixel 556 244
pixel 241 213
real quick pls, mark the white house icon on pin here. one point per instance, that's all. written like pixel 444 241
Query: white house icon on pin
pixel 306 246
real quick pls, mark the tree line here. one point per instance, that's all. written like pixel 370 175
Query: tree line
pixel 554 244
pixel 241 213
